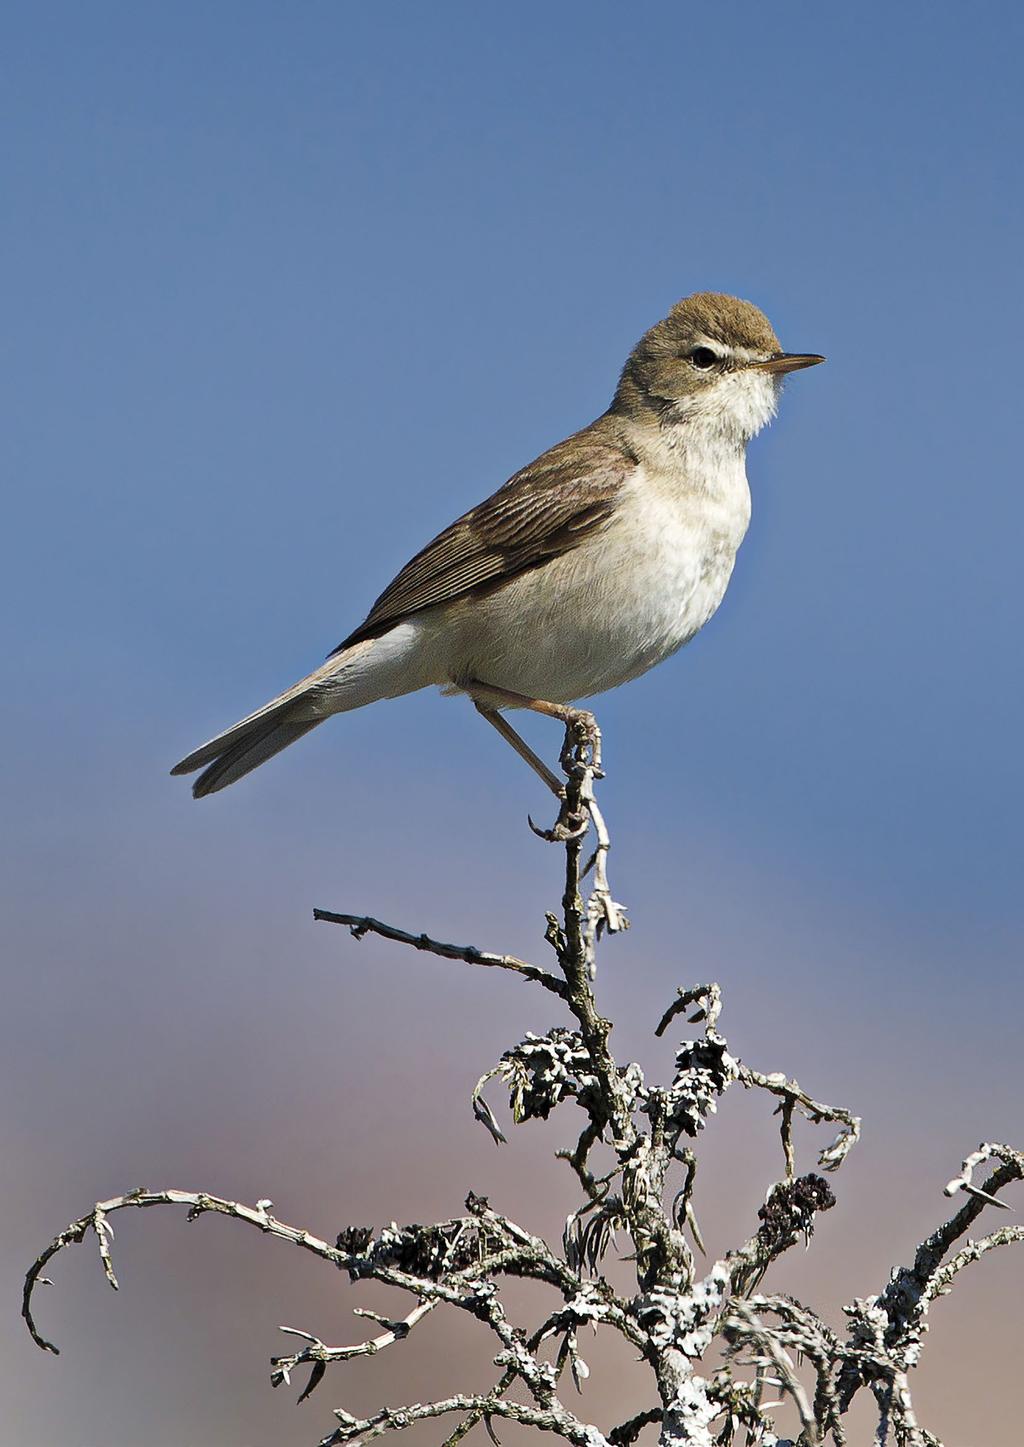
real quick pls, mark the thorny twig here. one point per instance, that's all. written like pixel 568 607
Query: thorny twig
pixel 642 1194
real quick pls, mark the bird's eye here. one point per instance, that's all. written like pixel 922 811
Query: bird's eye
pixel 703 357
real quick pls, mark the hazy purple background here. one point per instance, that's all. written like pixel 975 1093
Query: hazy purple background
pixel 288 288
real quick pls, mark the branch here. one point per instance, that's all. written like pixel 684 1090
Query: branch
pixel 319 1354
pixel 395 1419
pixel 789 1212
pixel 910 1288
pixel 198 1203
pixel 710 1009
pixel 469 1422
pixel 498 1390
pixel 802 1331
pixel 565 1320
pixel 716 1075
pixel 462 1288
pixel 574 940
pixel 793 1098
pixel 1012 1169
pixel 627 1432
pixel 602 911
pixel 768 1351
pixel 361 925
pixel 891 1324
pixel 942 1281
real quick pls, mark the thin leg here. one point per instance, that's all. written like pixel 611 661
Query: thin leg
pixel 496 698
pixel 581 734
pixel 521 747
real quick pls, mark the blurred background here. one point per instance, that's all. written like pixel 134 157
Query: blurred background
pixel 288 289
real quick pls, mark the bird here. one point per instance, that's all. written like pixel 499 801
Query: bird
pixel 595 562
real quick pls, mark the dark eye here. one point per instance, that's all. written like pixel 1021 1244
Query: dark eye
pixel 703 357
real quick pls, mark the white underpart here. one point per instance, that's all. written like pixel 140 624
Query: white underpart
pixel 625 600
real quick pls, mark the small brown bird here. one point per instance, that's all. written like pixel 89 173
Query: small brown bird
pixel 585 569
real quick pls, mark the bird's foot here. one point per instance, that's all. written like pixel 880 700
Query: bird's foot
pixel 581 748
pixel 571 823
pixel 580 759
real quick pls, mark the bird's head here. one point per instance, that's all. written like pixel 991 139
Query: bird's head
pixel 714 362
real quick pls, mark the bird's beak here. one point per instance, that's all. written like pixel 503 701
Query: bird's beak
pixel 787 362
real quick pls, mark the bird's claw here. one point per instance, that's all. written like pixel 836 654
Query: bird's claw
pixel 570 824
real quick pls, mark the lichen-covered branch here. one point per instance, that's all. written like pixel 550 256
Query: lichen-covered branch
pixel 395 1419
pixel 720 1352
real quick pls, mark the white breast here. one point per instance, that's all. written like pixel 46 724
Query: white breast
pixel 620 603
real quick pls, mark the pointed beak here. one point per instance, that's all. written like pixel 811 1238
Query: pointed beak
pixel 787 362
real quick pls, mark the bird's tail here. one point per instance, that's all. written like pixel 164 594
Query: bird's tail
pixel 343 682
pixel 260 741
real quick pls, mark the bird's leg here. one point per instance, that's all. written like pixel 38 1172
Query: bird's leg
pixel 581 731
pixel 581 734
pixel 581 763
pixel 580 724
pixel 521 747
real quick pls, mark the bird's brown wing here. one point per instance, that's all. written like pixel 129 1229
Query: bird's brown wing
pixel 547 509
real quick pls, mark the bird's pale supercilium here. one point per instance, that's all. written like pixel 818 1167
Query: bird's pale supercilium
pixel 598 560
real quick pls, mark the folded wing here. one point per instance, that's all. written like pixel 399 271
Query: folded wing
pixel 545 510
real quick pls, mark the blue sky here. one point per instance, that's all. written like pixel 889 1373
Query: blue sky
pixel 288 289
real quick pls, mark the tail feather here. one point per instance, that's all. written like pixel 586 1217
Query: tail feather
pixel 295 700
pixel 343 682
pixel 263 739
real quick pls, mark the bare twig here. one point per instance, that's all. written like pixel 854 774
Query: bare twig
pixel 707 997
pixel 792 1099
pixel 1012 1169
pixel 198 1203
pixel 319 1355
pixel 361 925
